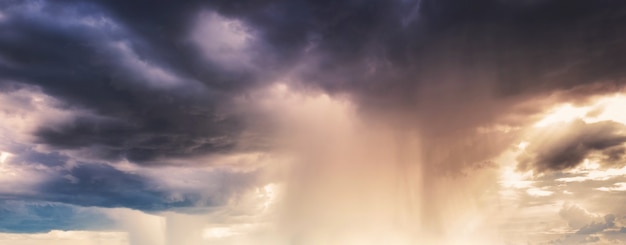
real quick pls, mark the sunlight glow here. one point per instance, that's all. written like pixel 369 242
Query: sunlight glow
pixel 217 232
pixel 4 156
pixel 268 194
pixel 591 171
pixel 522 145
pixel 510 178
pixel 538 192
pixel 613 109
pixel 607 108
pixel 616 187
pixel 561 114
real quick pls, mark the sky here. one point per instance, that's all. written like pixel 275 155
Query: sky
pixel 312 122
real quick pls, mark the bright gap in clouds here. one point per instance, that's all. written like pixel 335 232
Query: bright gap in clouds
pixel 4 156
pixel 593 184
pixel 606 108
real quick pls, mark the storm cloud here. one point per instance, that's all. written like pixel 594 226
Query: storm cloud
pixel 103 100
pixel 157 94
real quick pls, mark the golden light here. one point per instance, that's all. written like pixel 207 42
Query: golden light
pixel 603 109
pixel 612 109
pixel 217 232
pixel 538 192
pixel 562 114
pixel 268 194
pixel 510 178
pixel 594 173
pixel 516 185
pixel 522 145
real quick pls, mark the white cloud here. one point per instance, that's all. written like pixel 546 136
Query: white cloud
pixel 615 187
pixel 538 192
pixel 585 173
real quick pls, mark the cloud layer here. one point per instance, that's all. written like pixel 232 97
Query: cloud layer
pixel 199 106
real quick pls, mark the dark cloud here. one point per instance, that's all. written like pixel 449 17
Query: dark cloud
pixel 454 50
pixel 83 57
pixel 26 217
pixel 104 186
pixel 432 61
pixel 81 184
pixel 564 146
pixel 30 156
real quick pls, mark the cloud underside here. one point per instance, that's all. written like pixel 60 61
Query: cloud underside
pixel 162 91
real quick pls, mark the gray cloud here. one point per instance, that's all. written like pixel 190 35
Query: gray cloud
pixel 576 216
pixel 564 146
pixel 584 221
pixel 609 222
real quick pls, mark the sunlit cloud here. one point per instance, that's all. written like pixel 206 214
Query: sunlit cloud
pixel 616 187
pixel 593 176
pixel 563 114
pixel 594 173
pixel 602 109
pixel 511 178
